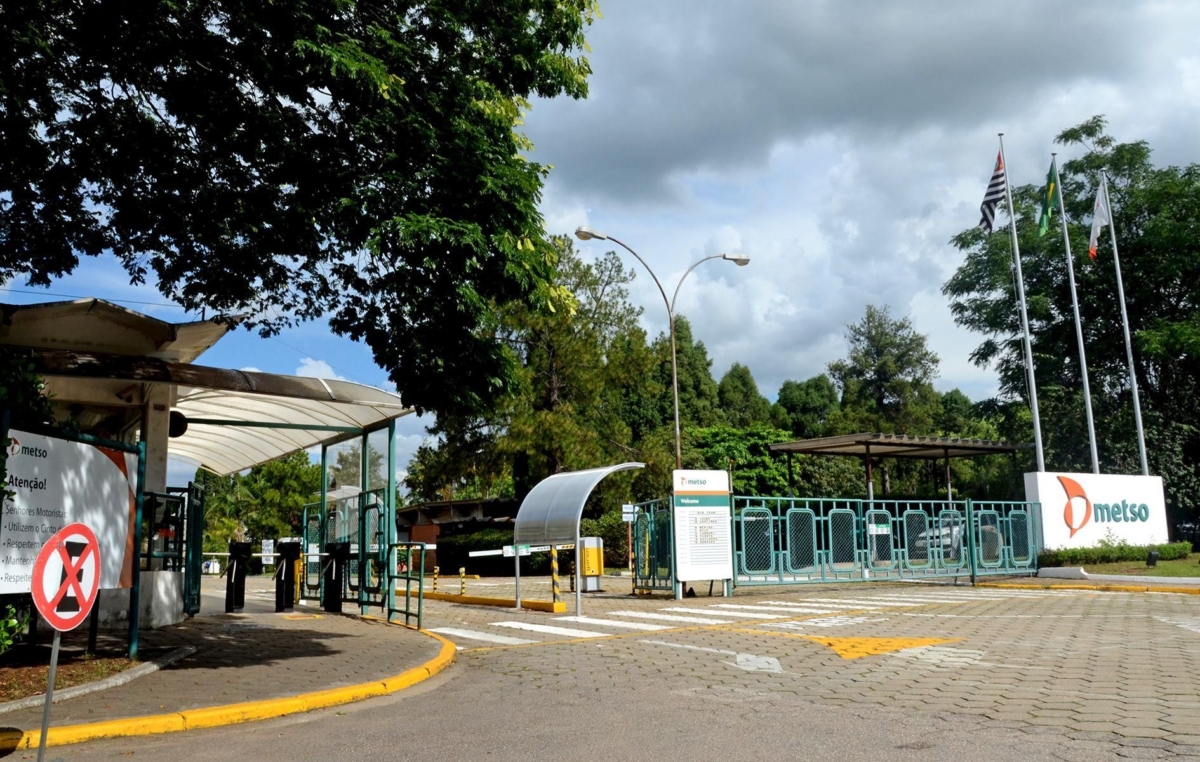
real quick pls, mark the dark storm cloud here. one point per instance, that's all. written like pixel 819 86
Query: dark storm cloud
pixel 686 86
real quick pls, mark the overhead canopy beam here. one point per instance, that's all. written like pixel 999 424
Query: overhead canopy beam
pixel 274 425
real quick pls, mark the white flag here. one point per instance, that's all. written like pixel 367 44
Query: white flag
pixel 1101 216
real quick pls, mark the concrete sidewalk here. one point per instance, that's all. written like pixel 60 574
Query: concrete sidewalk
pixel 245 658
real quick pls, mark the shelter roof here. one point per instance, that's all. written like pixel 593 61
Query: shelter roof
pixel 550 513
pixel 897 446
pixel 94 325
pixel 238 419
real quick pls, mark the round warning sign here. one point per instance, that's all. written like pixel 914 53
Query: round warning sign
pixel 66 577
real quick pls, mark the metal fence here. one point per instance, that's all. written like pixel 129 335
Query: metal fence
pixel 780 540
pixel 653 568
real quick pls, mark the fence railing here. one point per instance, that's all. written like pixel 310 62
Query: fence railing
pixel 653 540
pixel 406 564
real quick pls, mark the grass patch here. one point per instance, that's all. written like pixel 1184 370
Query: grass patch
pixel 1183 567
pixel 23 671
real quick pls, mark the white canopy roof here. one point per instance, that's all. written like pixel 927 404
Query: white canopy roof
pixel 226 447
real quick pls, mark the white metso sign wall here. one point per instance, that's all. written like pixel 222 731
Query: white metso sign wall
pixel 1081 510
pixel 57 482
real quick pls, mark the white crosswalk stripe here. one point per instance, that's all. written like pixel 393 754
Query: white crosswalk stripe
pixel 486 637
pixel 726 612
pixel 548 630
pixel 846 601
pixel 611 623
pixel 798 609
pixel 669 617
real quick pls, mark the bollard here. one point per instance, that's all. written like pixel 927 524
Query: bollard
pixel 571 571
pixel 285 576
pixel 555 593
pixel 435 573
pixel 462 580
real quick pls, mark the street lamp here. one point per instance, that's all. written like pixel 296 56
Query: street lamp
pixel 587 234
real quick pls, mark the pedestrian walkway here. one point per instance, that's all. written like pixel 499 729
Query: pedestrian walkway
pixel 247 657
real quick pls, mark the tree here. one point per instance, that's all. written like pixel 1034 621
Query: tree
pixel 273 164
pixel 756 471
pixel 804 407
pixel 698 401
pixel 1157 211
pixel 886 379
pixel 740 400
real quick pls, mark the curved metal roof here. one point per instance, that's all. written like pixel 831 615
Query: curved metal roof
pixel 226 447
pixel 550 513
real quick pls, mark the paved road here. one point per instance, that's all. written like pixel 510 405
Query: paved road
pixel 864 672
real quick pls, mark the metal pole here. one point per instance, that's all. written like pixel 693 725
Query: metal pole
pixel 949 488
pixel 49 696
pixel 516 577
pixel 135 589
pixel 1087 392
pixel 1012 227
pixel 1137 405
pixel 578 574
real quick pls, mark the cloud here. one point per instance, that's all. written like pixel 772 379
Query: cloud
pixel 317 369
pixel 840 149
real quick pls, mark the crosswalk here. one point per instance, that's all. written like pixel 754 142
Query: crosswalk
pixel 693 614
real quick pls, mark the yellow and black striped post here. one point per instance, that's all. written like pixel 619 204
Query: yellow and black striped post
pixel 435 573
pixel 554 591
pixel 462 580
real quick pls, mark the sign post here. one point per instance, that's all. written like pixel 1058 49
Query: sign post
pixel 65 585
pixel 703 539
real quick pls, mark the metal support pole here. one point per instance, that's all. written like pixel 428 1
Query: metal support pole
pixel 555 594
pixel 389 533
pixel 971 542
pixel 1033 403
pixel 135 589
pixel 949 488
pixel 791 477
pixel 516 576
pixel 1133 387
pixel 578 573
pixel 49 695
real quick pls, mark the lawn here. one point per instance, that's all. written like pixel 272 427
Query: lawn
pixel 1184 567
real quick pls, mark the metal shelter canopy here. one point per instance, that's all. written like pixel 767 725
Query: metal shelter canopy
pixel 896 446
pixel 550 514
pixel 876 445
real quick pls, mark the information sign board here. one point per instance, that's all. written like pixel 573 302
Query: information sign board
pixel 55 482
pixel 703 540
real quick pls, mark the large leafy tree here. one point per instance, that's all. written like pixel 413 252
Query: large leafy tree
pixel 358 160
pixel 1157 214
pixel 740 399
pixel 699 404
pixel 804 407
pixel 886 380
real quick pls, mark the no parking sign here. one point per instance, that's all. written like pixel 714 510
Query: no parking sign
pixel 66 577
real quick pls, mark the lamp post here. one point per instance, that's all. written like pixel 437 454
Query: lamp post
pixel 587 234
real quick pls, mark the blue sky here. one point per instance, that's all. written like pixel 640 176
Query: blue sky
pixel 839 146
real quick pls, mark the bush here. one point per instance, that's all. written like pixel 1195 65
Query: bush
pixel 614 533
pixel 1109 552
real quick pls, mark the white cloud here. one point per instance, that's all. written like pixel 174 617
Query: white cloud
pixel 251 369
pixel 317 369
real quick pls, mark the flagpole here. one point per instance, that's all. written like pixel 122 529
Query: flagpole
pixel 1012 227
pixel 1087 392
pixel 1137 405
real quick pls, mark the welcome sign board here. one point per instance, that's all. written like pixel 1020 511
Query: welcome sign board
pixel 703 539
pixel 1081 510
pixel 55 483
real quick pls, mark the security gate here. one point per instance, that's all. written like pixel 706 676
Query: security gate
pixel 359 521
pixel 779 540
pixel 653 567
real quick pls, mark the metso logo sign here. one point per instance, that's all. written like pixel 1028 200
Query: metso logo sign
pixel 1123 511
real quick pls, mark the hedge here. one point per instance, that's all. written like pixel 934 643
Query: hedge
pixel 1110 553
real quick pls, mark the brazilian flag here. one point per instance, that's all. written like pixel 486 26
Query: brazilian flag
pixel 1050 199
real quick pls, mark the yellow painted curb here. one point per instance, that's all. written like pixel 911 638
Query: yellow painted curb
pixel 232 714
pixel 479 600
pixel 1098 588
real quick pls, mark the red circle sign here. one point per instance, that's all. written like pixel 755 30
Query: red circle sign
pixel 66 577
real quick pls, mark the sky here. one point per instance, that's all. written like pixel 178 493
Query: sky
pixel 838 145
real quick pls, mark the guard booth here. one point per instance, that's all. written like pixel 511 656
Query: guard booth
pixel 787 540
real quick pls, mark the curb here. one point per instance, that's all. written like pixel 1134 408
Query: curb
pixel 121 678
pixel 1099 588
pixel 232 714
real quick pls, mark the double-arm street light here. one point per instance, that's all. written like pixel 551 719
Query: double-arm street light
pixel 587 234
